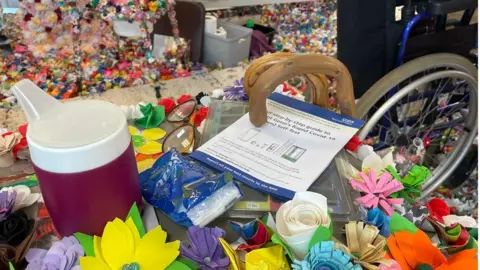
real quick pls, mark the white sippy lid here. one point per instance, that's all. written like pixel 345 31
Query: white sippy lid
pixel 74 136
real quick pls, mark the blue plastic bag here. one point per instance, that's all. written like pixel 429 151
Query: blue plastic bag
pixel 176 184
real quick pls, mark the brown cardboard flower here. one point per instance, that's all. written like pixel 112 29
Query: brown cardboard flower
pixel 6 144
pixel 366 245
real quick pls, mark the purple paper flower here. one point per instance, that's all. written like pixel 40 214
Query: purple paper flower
pixel 63 255
pixel 236 92
pixel 205 249
pixel 7 201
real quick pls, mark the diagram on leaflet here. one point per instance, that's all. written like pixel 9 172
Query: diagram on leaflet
pixel 287 150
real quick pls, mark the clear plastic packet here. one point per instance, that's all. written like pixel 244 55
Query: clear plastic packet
pixel 185 190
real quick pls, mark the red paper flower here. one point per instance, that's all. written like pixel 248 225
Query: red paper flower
pixel 167 103
pixel 438 208
pixel 353 144
pixel 200 116
pixel 183 98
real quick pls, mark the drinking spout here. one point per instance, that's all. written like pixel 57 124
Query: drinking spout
pixel 33 100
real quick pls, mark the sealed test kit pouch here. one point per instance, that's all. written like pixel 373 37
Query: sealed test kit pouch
pixel 189 193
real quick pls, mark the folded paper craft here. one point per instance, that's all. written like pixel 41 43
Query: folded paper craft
pixel 412 182
pixel 376 192
pixel 126 245
pixel 298 220
pixel 412 250
pixel 205 248
pixel 254 232
pixel 366 245
pixel 378 219
pixel 267 258
pixel 153 116
pixel 324 256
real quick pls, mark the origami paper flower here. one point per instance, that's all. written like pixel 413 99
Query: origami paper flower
pixel 124 245
pixel 168 104
pixel 378 219
pixel 153 116
pixel 267 258
pixel 145 141
pixel 365 245
pixel 205 248
pixel 7 142
pixel 411 182
pixel 63 255
pixel 302 220
pixel 438 208
pixel 372 161
pixel 7 201
pixel 24 196
pixel 376 193
pixel 254 232
pixel 403 247
pixel 236 92
pixel 324 256
pixel 453 238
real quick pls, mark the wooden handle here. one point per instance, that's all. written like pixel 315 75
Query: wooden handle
pixel 266 73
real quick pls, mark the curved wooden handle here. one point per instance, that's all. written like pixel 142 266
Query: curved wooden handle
pixel 267 72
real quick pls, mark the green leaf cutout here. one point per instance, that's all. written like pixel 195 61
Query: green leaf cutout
pixel 87 243
pixel 189 263
pixel 176 265
pixel 10 266
pixel 276 239
pixel 153 116
pixel 138 141
pixel 399 223
pixel 134 213
pixel 321 234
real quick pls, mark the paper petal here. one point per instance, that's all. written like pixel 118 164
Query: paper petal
pixel 117 244
pixel 134 213
pixel 153 134
pixel 147 253
pixel 271 257
pixel 150 148
pixel 92 263
pixel 235 262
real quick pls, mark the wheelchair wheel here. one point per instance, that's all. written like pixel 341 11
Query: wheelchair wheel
pixel 428 103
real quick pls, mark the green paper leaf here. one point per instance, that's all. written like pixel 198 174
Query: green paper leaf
pixel 276 239
pixel 153 116
pixel 474 232
pixel 10 266
pixel 146 109
pixel 393 172
pixel 320 235
pixel 472 243
pixel 138 141
pixel 189 263
pixel 176 265
pixel 134 213
pixel 399 223
pixel 87 243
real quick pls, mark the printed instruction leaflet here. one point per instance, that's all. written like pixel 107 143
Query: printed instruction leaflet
pixel 285 155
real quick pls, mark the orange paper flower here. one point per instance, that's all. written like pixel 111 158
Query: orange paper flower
pixel 411 250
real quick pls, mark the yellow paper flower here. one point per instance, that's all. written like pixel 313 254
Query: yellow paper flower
pixel 121 246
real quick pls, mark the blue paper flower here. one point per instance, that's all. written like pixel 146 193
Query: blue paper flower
pixel 324 256
pixel 378 219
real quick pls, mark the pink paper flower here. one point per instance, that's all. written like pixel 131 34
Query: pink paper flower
pixel 377 192
pixel 394 266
